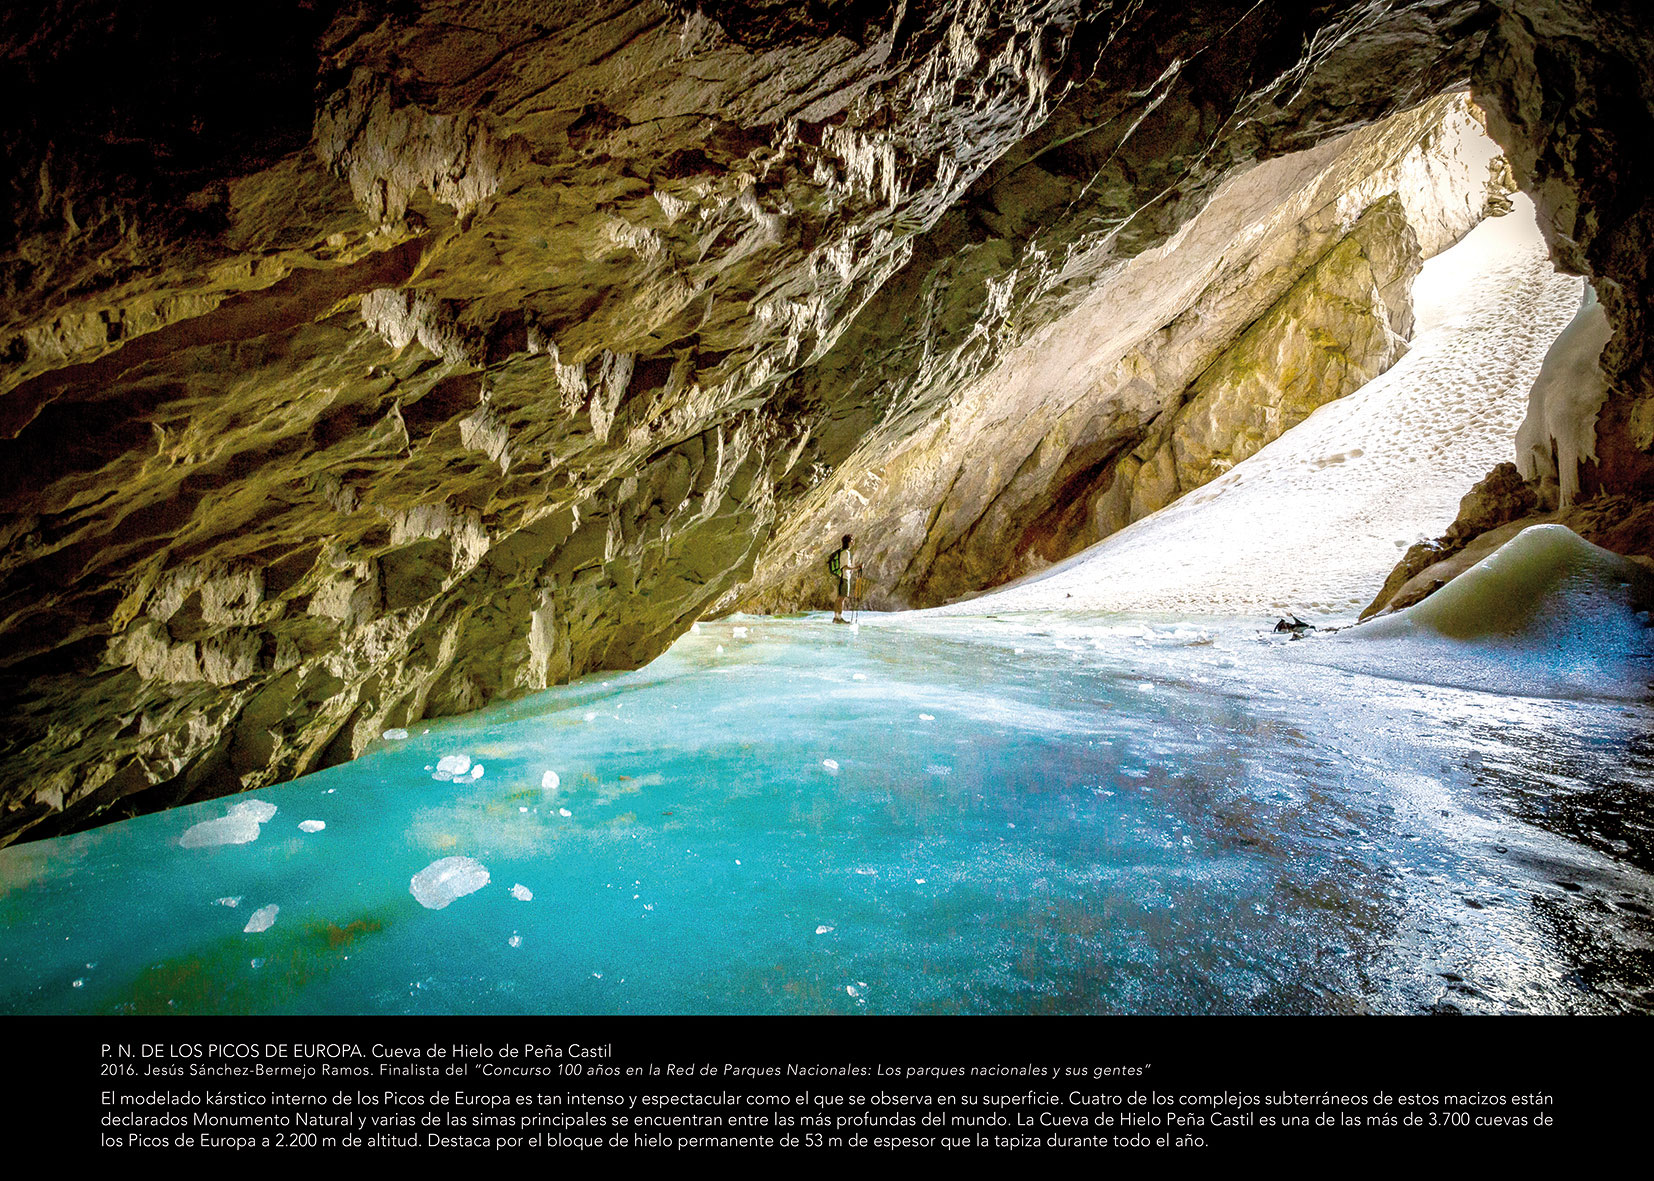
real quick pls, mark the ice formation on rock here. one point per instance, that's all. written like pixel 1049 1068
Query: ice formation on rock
pixel 1545 575
pixel 1560 431
pixel 440 882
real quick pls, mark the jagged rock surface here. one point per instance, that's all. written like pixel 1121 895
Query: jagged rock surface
pixel 1291 288
pixel 1497 500
pixel 371 361
pixel 1339 326
pixel 1567 90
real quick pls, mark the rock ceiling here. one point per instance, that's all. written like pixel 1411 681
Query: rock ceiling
pixel 368 362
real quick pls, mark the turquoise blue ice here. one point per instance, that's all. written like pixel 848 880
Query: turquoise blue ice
pixel 998 815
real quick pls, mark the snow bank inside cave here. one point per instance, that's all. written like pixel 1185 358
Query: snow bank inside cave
pixel 1548 613
pixel 1315 521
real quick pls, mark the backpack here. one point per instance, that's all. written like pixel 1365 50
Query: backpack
pixel 835 563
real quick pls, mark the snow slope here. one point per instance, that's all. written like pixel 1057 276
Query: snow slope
pixel 1315 521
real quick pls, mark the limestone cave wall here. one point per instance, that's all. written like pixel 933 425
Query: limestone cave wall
pixel 368 361
pixel 1290 288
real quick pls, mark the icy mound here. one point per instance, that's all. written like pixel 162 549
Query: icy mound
pixel 237 827
pixel 1547 614
pixel 440 882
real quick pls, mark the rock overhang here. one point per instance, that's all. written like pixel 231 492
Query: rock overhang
pixel 499 350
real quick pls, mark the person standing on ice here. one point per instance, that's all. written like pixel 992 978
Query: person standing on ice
pixel 841 564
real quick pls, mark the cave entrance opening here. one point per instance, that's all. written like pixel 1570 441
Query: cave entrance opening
pixel 1265 413
pixel 1313 521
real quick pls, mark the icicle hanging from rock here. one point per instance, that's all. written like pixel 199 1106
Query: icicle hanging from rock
pixel 1560 431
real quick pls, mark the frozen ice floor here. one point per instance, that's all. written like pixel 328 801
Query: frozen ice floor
pixel 1021 815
